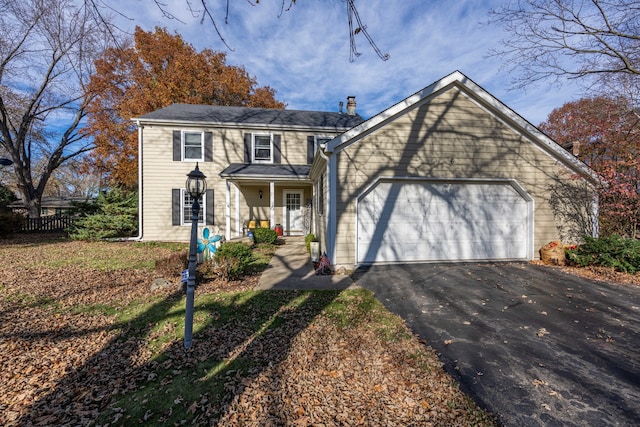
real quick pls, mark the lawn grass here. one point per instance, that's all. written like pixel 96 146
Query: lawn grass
pixel 105 256
pixel 247 321
pixel 126 344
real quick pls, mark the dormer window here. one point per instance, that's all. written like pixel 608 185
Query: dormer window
pixel 262 149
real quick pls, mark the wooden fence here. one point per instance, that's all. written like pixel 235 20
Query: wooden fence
pixel 47 223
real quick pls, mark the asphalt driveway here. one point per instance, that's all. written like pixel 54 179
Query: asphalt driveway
pixel 532 344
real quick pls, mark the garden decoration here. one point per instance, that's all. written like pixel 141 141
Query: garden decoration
pixel 208 246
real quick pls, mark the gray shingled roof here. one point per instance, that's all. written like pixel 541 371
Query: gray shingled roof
pixel 247 116
pixel 256 170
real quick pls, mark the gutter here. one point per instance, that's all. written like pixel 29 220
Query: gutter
pixel 240 125
pixel 330 238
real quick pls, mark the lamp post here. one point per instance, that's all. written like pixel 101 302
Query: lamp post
pixel 196 186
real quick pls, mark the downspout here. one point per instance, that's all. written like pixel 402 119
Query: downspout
pixel 595 232
pixel 140 128
pixel 331 214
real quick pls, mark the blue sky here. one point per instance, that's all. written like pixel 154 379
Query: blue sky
pixel 303 53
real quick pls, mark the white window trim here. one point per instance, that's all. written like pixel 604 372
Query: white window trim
pixel 253 147
pixel 316 142
pixel 182 147
pixel 202 221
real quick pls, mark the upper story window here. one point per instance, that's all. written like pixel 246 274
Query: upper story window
pixel 262 149
pixel 193 146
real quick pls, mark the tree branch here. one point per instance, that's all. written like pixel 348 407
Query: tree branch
pixel 569 39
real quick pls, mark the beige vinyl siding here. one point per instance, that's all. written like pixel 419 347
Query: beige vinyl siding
pixel 294 148
pixel 161 174
pixel 448 137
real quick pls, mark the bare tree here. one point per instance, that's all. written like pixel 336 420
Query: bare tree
pixel 202 11
pixel 591 40
pixel 46 57
pixel 72 179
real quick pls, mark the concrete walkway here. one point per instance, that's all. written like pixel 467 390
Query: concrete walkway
pixel 291 268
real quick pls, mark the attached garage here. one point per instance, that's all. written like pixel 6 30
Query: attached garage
pixel 417 220
pixel 449 174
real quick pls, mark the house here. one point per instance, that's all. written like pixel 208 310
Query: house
pixel 50 206
pixel 256 161
pixel 448 174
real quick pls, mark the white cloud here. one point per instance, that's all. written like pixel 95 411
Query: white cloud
pixel 304 53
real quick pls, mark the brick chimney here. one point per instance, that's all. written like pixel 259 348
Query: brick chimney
pixel 351 105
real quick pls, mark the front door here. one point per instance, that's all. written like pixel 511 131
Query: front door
pixel 293 215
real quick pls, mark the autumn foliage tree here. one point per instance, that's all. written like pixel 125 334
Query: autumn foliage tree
pixel 605 134
pixel 156 70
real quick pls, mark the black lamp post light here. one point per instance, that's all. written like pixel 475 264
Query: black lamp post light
pixel 196 186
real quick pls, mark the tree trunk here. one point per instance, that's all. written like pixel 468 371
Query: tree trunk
pixel 32 205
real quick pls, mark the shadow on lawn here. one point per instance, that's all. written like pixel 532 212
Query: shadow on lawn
pixel 236 337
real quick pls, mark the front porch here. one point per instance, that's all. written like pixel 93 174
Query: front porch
pixel 266 195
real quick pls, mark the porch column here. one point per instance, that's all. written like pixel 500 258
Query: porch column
pixel 272 203
pixel 227 214
pixel 238 229
pixel 331 211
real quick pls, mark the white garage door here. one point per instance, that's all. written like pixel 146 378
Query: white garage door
pixel 409 220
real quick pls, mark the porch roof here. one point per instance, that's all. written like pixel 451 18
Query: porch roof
pixel 271 172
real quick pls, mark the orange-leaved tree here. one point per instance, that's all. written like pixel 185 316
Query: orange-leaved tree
pixel 157 69
pixel 605 134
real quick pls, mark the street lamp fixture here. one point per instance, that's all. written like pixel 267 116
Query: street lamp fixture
pixel 196 186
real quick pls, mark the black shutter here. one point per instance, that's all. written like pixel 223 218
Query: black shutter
pixel 177 146
pixel 208 146
pixel 277 152
pixel 310 151
pixel 247 148
pixel 175 206
pixel 209 199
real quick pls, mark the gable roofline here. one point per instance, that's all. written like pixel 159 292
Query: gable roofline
pixel 490 103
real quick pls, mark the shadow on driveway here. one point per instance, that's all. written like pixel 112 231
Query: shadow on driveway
pixel 532 344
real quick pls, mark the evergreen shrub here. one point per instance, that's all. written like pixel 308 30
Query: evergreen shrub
pixel 265 235
pixel 116 216
pixel 233 260
pixel 612 251
pixel 10 222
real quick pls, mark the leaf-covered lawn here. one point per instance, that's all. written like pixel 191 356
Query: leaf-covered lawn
pixel 84 341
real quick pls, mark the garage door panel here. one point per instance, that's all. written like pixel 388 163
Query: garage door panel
pixel 401 221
